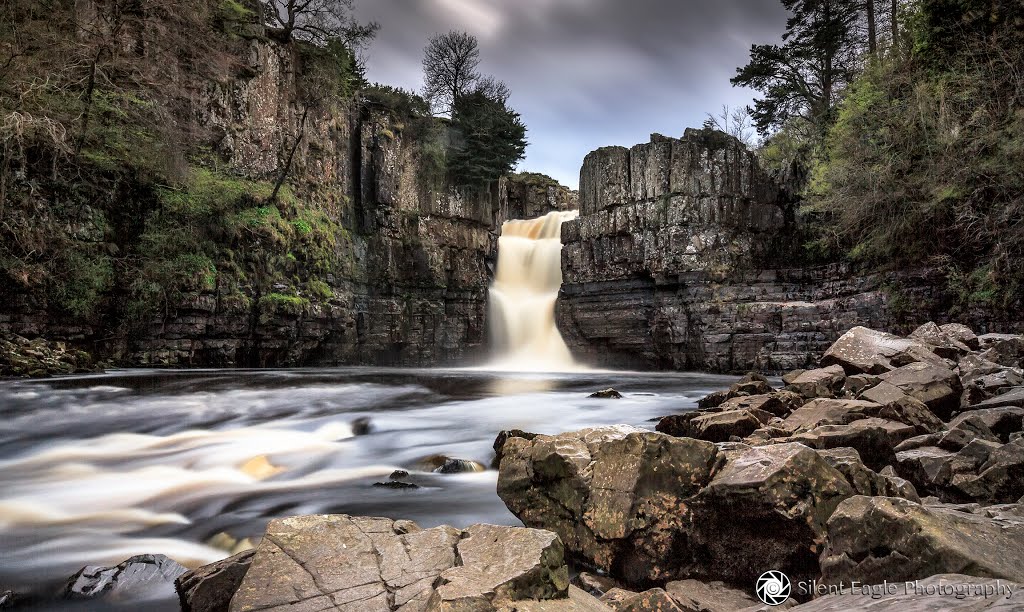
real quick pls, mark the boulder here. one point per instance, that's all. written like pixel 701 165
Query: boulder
pixel 866 351
pixel 935 385
pixel 1004 349
pixel 712 400
pixel 995 474
pixel 942 343
pixel 939 593
pixel 715 426
pixel 211 587
pixel 778 403
pixel 927 467
pixel 961 333
pixel 753 383
pixel 443 464
pixel 871 539
pixel 497 565
pixel 858 383
pixel 872 437
pixel 1001 421
pixel 824 382
pixel 608 393
pixel 693 595
pixel 866 481
pixel 361 426
pixel 827 412
pixel 377 564
pixel 138 579
pixel 647 507
pixel 1012 397
pixel 911 411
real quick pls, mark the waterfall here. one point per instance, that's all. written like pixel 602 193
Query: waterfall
pixel 522 298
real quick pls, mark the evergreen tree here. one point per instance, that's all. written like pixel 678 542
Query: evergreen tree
pixel 491 139
pixel 804 77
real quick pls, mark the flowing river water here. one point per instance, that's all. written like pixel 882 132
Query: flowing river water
pixel 192 464
pixel 95 469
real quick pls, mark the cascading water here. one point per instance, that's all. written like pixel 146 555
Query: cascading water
pixel 522 298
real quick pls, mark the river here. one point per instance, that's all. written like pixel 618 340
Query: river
pixel 94 469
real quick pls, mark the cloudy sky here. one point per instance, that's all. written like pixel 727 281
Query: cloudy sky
pixel 586 73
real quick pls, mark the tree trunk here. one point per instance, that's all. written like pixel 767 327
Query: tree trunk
pixel 895 25
pixel 872 36
pixel 291 155
pixel 87 96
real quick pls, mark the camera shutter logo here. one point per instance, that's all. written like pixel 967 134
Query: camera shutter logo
pixel 773 587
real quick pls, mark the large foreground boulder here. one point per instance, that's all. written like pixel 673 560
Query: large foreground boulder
pixel 648 507
pixel 871 539
pixel 338 562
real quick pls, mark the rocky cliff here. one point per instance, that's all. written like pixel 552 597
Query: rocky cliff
pixel 682 259
pixel 367 257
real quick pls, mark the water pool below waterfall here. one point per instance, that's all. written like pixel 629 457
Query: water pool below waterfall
pixel 95 469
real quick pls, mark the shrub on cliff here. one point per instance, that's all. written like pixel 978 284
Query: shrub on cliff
pixel 926 159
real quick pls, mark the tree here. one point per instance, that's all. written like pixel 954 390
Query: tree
pixel 450 63
pixel 733 121
pixel 804 76
pixel 318 22
pixel 491 139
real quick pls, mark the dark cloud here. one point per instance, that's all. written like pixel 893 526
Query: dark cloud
pixel 587 73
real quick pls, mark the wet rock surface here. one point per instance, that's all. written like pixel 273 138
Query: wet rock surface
pixel 138 579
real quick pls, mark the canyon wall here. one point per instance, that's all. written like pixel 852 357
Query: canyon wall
pixel 682 259
pixel 404 263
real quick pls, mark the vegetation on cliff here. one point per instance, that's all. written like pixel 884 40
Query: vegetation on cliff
pixel 904 130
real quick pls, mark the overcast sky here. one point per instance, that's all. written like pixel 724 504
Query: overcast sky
pixel 586 73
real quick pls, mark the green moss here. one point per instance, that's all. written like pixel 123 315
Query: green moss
pixel 320 289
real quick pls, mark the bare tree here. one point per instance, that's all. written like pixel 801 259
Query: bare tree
pixel 450 63
pixel 493 89
pixel 317 21
pixel 736 122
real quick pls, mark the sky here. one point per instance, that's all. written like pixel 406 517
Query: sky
pixel 586 73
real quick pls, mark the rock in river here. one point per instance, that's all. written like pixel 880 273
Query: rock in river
pixel 138 579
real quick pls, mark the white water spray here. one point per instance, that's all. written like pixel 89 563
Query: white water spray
pixel 522 298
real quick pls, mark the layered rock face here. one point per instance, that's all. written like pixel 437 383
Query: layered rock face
pixel 409 260
pixel 680 260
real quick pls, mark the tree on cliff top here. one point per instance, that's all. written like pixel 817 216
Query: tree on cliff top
pixel 804 77
pixel 318 22
pixel 491 138
pixel 450 63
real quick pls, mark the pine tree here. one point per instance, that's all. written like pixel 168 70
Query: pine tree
pixel 806 74
pixel 492 139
